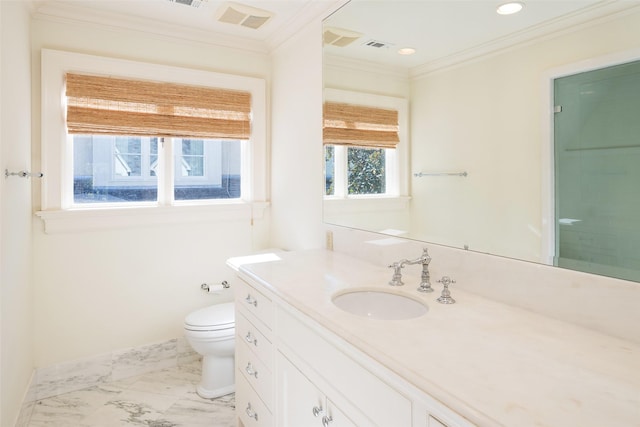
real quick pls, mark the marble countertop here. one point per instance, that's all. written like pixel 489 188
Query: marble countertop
pixel 494 364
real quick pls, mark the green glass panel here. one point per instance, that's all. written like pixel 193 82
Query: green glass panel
pixel 597 171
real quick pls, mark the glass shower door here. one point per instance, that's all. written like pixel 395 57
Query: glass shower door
pixel 597 171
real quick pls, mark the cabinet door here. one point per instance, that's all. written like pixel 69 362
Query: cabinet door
pixel 302 404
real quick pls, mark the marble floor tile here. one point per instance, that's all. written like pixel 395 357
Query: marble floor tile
pixel 140 360
pixel 72 376
pixel 164 398
pixel 195 411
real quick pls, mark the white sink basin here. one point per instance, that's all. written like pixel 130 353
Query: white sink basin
pixel 379 305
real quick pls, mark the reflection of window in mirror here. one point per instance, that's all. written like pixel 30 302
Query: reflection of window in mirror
pixel 359 171
pixel 365 147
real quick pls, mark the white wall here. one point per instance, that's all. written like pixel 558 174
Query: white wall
pixel 296 156
pixel 100 291
pixel 16 291
pixel 487 118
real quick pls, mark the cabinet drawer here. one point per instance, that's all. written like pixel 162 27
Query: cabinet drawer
pixel 255 303
pixel 256 373
pixel 249 408
pixel 377 400
pixel 248 333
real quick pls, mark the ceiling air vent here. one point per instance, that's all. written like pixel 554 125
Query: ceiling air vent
pixel 378 44
pixel 192 3
pixel 339 36
pixel 245 16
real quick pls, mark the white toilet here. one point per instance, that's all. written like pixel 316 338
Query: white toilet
pixel 211 331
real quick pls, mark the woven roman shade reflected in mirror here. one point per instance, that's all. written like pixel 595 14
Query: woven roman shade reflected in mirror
pixel 113 106
pixel 357 125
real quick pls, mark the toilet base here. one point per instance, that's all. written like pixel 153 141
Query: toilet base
pixel 218 377
pixel 212 394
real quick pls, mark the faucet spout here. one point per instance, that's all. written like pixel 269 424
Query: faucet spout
pixel 424 259
pixel 425 278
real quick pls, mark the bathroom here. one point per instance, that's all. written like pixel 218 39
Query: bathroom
pixel 100 286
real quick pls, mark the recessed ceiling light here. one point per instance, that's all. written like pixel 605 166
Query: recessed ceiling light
pixel 509 8
pixel 406 51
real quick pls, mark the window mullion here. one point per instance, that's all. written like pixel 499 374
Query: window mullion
pixel 392 172
pixel 166 171
pixel 340 179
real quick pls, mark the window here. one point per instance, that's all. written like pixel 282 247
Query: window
pixel 115 169
pixel 362 137
pixel 110 168
pixel 122 147
pixel 207 169
pixel 366 171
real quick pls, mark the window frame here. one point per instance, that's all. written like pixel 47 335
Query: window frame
pixel 57 152
pixel 397 164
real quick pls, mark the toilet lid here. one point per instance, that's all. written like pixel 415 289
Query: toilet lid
pixel 219 316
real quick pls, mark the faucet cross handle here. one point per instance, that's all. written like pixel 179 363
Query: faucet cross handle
pixel 445 297
pixel 396 280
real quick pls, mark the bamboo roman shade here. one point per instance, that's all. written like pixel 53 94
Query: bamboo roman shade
pixel 357 125
pixel 114 106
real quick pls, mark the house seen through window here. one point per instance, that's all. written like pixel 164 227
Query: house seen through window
pixel 116 169
pixel 115 127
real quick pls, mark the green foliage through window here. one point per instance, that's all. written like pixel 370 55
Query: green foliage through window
pixel 329 170
pixel 366 171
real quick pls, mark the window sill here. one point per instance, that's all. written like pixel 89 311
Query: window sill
pixel 90 219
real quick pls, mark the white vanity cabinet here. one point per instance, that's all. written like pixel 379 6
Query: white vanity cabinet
pixel 354 389
pixel 254 357
pixel 292 372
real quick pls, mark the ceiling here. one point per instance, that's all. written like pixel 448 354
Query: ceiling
pixel 440 30
pixel 196 22
pixel 447 31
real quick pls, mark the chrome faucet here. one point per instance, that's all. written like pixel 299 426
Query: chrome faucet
pixel 445 298
pixel 424 259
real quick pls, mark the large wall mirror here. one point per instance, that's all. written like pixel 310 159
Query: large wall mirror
pixel 483 166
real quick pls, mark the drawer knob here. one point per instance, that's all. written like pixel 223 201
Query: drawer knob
pixel 250 339
pixel 251 300
pixel 317 411
pixel 251 371
pixel 326 420
pixel 250 412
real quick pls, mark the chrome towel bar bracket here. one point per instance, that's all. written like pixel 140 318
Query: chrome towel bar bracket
pixel 23 174
pixel 421 174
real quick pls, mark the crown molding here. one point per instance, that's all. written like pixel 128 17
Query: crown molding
pixel 341 63
pixel 313 11
pixel 596 14
pixel 76 14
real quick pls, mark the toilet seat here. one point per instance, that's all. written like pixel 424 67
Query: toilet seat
pixel 217 317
